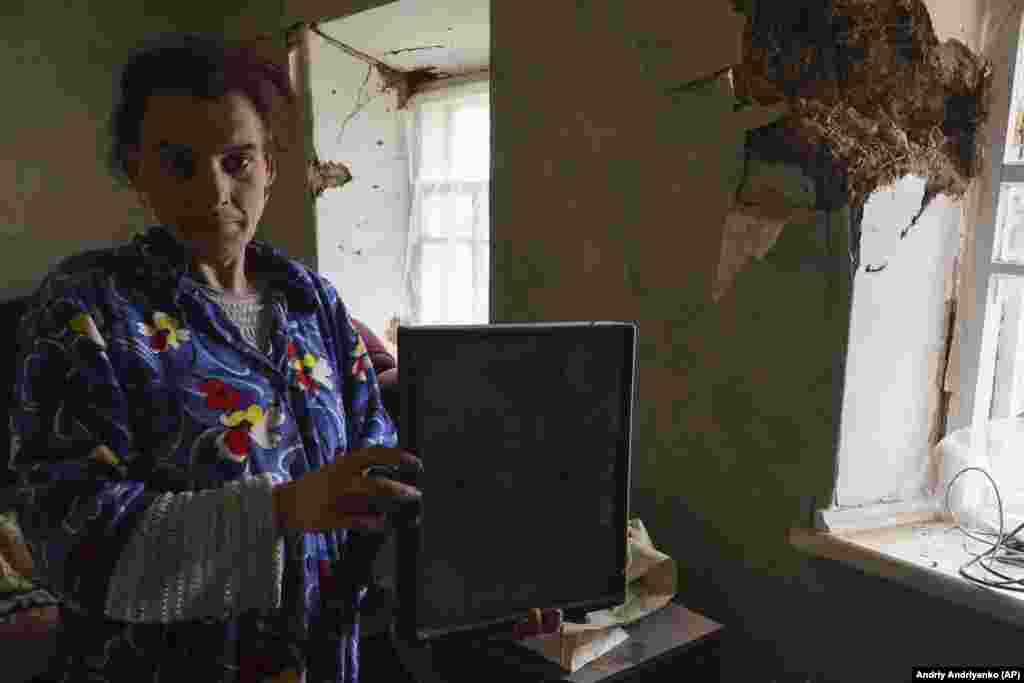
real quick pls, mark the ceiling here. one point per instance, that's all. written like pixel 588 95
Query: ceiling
pixel 451 36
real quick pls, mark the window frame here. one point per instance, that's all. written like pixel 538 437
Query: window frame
pixel 451 240
pixel 986 268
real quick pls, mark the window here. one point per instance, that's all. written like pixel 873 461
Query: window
pixel 447 268
pixel 992 357
pixel 886 417
pixel 997 369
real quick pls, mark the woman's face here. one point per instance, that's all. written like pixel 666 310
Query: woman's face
pixel 204 169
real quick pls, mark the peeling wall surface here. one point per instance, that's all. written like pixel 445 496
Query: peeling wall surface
pixel 896 336
pixel 871 80
pixel 361 226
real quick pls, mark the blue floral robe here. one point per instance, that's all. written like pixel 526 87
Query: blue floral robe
pixel 119 347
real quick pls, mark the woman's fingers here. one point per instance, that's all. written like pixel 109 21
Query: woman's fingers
pixel 392 488
pixel 377 495
pixel 390 457
pixel 339 496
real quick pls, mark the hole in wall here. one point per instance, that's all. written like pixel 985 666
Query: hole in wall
pixel 873 96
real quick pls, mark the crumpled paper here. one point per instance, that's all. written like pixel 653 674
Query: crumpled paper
pixel 650 585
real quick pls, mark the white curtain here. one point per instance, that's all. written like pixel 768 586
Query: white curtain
pixel 447 258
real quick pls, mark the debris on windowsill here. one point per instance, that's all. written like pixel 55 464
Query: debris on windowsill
pixel 925 556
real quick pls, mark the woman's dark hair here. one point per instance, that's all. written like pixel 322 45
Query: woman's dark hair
pixel 200 66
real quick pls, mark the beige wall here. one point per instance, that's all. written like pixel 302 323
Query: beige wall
pixel 628 188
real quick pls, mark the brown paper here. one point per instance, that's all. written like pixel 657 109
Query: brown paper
pixel 650 585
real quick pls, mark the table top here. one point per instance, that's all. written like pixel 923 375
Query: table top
pixel 670 629
pixel 667 632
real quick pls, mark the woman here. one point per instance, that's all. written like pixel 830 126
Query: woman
pixel 195 412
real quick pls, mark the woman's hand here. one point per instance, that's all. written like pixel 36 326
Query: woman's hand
pixel 339 496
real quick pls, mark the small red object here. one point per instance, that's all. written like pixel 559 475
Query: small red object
pixel 551 621
pixel 540 622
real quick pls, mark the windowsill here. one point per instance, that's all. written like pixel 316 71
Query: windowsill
pixel 921 549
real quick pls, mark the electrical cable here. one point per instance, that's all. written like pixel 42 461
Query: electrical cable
pixel 1007 549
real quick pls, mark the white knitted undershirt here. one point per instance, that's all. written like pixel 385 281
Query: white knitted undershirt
pixel 249 312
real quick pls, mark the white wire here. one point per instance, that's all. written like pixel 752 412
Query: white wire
pixel 998 551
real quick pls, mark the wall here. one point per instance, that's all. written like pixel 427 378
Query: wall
pixel 609 196
pixel 608 203
pixel 638 185
pixel 361 227
pixel 896 338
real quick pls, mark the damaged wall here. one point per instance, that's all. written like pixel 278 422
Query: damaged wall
pixel 871 80
pixel 737 420
pixel 870 95
pixel 365 68
pixel 737 411
pixel 361 226
pixel 893 411
pixel 608 203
